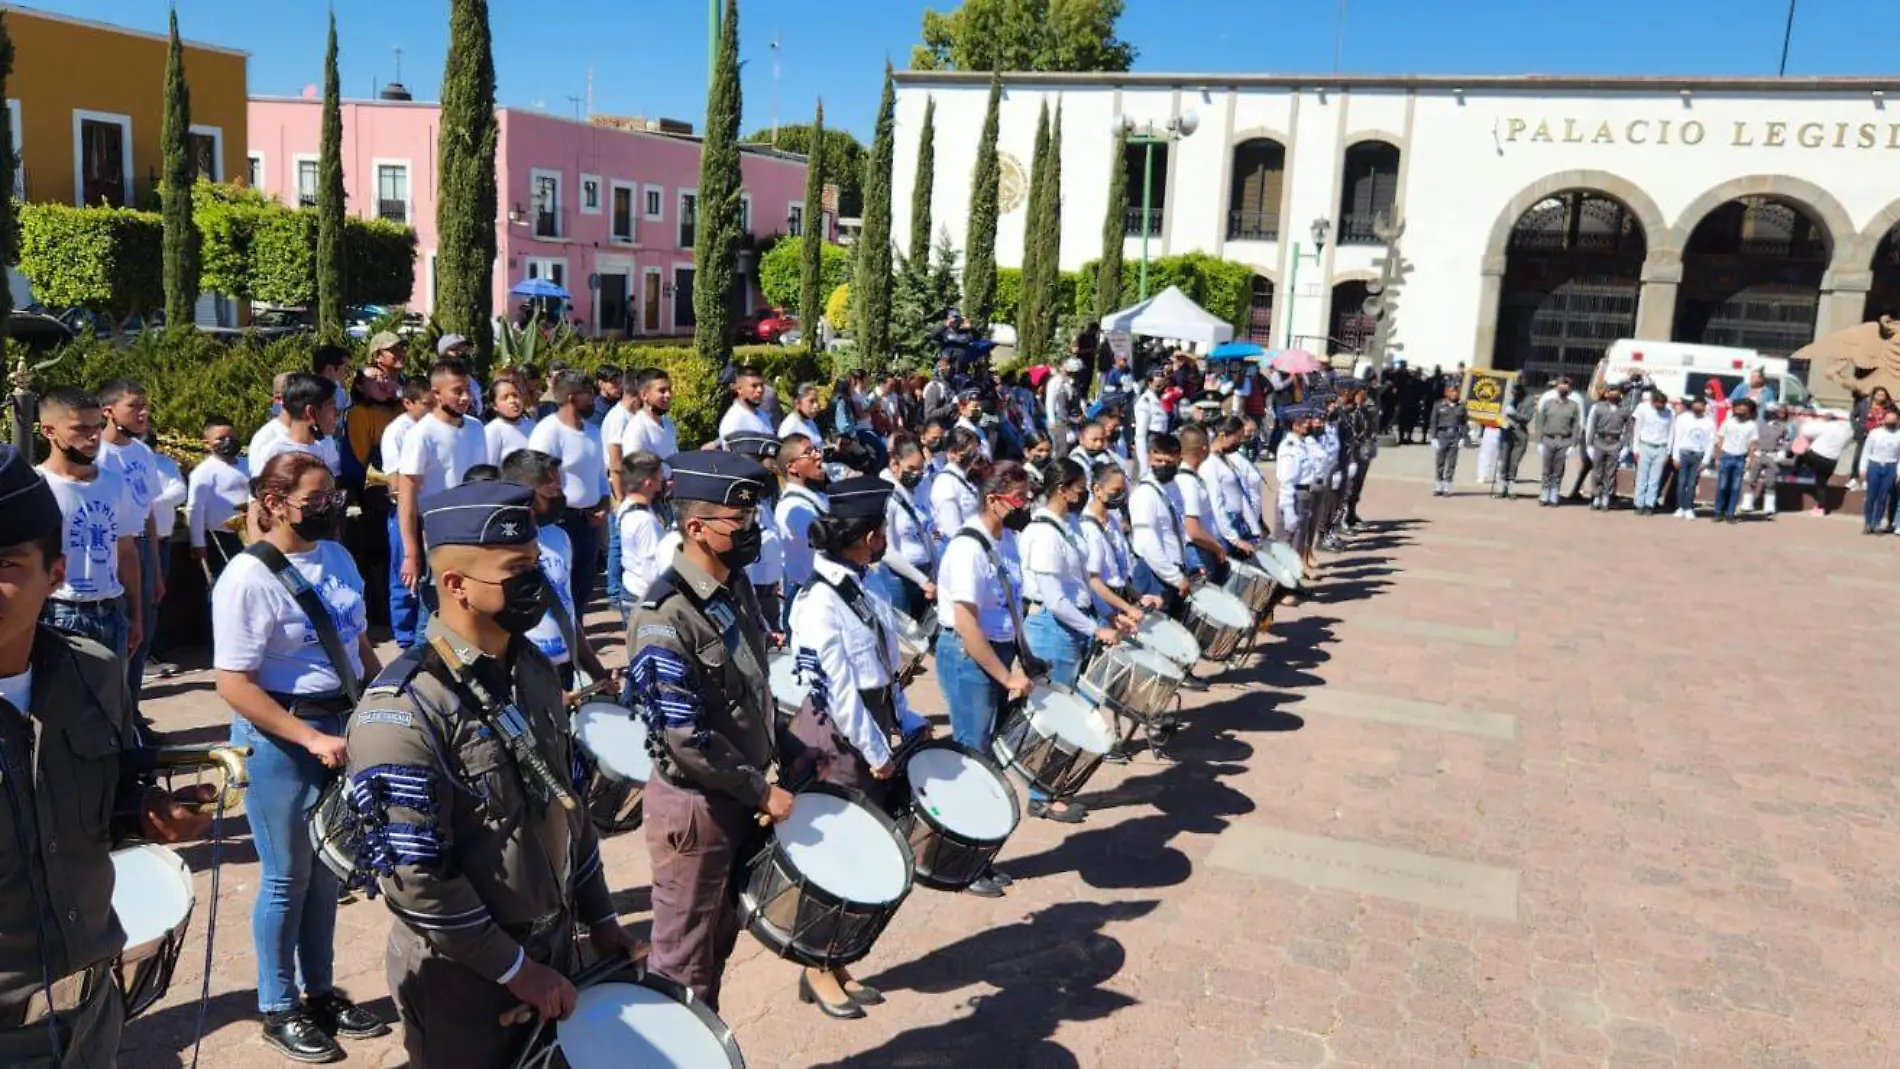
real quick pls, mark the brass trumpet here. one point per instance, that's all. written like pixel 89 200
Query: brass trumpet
pixel 222 758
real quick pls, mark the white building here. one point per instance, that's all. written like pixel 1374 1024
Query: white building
pixel 1544 216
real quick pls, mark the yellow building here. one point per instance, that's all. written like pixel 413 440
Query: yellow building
pixel 87 101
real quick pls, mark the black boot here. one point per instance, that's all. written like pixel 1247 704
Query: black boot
pixel 296 1036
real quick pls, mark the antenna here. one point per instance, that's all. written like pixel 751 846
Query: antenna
pixel 398 51
pixel 576 101
pixel 775 77
pixel 590 90
pixel 1339 36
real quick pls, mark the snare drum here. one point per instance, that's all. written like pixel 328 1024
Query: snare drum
pixel 615 740
pixel 1252 585
pixel 1288 569
pixel 152 895
pixel 634 1019
pixel 1137 682
pixel 1169 639
pixel 914 640
pixel 787 690
pixel 957 811
pixel 1219 621
pixel 1054 740
pixel 833 876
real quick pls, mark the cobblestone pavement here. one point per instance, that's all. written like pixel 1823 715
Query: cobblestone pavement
pixel 1518 787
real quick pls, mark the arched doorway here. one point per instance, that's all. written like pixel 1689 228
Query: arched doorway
pixel 1351 327
pixel 1573 269
pixel 1260 312
pixel 1884 298
pixel 1751 276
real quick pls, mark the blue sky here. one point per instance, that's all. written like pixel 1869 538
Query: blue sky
pixel 649 56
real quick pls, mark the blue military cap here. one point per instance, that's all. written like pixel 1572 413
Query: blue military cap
pixel 969 393
pixel 28 509
pixel 479 514
pixel 859 498
pixel 721 478
pixel 752 443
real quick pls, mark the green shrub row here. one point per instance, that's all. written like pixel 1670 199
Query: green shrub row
pixel 779 273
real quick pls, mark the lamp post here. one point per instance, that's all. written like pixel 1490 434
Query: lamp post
pixel 1320 228
pixel 1145 135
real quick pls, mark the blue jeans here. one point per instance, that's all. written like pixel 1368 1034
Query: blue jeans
pixel 148 616
pixel 1879 489
pixel 975 700
pixel 104 622
pixel 1688 475
pixel 1051 640
pixel 613 558
pixel 1651 462
pixel 402 602
pixel 586 574
pixel 1728 483
pixel 293 922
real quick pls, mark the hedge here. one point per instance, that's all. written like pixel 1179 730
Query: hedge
pixel 1223 287
pixel 104 259
pixel 1009 294
pixel 779 273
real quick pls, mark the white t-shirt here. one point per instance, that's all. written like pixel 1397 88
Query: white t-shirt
pixel 1737 435
pixel 256 626
pixel 504 437
pixel 136 463
pixel 171 495
pixel 96 514
pixel 797 508
pixel 968 574
pixel 1829 438
pixel 391 445
pixel 1193 494
pixel 645 434
pixel 18 690
pixel 273 429
pixel 1055 568
pixel 216 491
pixel 613 425
pixel 557 563
pixel 1692 434
pixel 322 448
pixel 797 424
pixel 640 535
pixel 740 418
pixel 583 462
pixel 440 452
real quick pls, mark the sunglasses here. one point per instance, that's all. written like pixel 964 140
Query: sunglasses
pixel 322 499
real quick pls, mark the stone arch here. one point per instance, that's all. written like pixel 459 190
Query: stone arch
pixel 1842 233
pixel 1769 262
pixel 1655 228
pixel 1881 242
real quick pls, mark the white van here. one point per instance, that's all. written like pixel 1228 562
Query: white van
pixel 1683 369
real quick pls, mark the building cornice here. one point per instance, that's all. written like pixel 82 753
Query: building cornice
pixel 107 27
pixel 1475 83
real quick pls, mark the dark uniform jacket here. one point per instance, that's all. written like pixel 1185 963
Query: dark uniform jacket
pixel 470 860
pixel 711 720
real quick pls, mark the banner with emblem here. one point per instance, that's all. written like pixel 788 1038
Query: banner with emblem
pixel 1485 391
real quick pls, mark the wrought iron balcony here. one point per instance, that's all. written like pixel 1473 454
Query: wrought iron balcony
pixel 1253 226
pixel 1132 222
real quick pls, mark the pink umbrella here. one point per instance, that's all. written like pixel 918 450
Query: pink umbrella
pixel 1294 362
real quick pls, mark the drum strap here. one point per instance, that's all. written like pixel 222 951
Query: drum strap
pixel 1010 599
pixel 312 605
pixel 851 592
pixel 1180 534
pixel 731 635
pixel 902 497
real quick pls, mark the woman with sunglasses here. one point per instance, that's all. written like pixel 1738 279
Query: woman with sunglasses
pixel 292 706
pixel 978 612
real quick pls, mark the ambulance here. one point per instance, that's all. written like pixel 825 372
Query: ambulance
pixel 1683 369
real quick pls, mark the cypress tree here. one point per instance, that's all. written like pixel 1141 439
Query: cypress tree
pixel 181 233
pixel 466 201
pixel 924 185
pixel 811 253
pixel 330 199
pixel 871 284
pixel 1047 225
pixel 1030 329
pixel 716 250
pixel 979 267
pixel 9 223
pixel 1108 275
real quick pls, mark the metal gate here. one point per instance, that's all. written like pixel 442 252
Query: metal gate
pixel 1260 312
pixel 1751 277
pixel 1571 282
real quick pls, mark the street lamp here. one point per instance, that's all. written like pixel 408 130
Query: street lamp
pixel 1320 228
pixel 1145 134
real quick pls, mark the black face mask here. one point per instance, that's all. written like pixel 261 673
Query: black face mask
pixel 526 604
pixel 911 479
pixel 746 544
pixel 227 448
pixel 1115 501
pixel 74 456
pixel 1165 473
pixel 316 524
pixel 1016 519
pixel 937 447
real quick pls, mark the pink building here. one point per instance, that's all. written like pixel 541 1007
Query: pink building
pixel 604 212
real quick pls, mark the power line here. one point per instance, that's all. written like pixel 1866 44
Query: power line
pixel 1787 34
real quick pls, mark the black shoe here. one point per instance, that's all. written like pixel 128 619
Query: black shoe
pixel 1115 756
pixel 863 994
pixel 1193 682
pixel 848 1010
pixel 339 1016
pixel 1003 879
pixel 1072 813
pixel 984 887
pixel 296 1036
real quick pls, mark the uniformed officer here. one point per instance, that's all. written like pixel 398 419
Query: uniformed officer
pixel 462 777
pixel 1291 473
pixel 69 772
pixel 1151 416
pixel 698 672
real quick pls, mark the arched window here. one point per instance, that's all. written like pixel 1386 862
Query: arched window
pixel 1751 276
pixel 1253 203
pixel 1369 188
pixel 1572 273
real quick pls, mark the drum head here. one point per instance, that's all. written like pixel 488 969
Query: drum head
pixel 1155 663
pixel 1063 715
pixel 838 844
pixel 622 1024
pixel 962 793
pixel 1169 639
pixel 151 893
pixel 616 738
pixel 1291 567
pixel 1224 609
pixel 786 689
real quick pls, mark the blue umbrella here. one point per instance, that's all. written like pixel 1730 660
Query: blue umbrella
pixel 1235 350
pixel 539 287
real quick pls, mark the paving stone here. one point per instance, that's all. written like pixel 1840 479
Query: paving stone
pixel 1333 701
pixel 1426 629
pixel 1367 869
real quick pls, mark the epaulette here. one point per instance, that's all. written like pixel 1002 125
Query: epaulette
pixel 394 679
pixel 659 591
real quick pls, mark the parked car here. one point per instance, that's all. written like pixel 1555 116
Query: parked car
pixel 764 325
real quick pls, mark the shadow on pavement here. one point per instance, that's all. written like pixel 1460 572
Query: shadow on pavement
pixel 1354 562
pixel 163 1039
pixel 1047 970
pixel 1333 593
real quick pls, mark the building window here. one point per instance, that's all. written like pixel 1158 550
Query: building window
pixel 1253 203
pixel 745 213
pixel 205 145
pixel 1369 189
pixel 622 221
pixel 254 170
pixel 689 218
pixel 306 182
pixel 547 203
pixel 683 297
pixel 795 220
pixel 553 269
pixel 656 204
pixel 103 150
pixel 1140 170
pixel 590 194
pixel 392 192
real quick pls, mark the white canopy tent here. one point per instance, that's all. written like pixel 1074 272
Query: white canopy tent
pixel 1171 314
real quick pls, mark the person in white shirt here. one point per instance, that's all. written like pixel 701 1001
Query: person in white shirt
pixel 560 634
pixel 651 429
pixel 436 453
pixel 512 426
pixel 100 528
pixel 1059 405
pixel 1736 440
pixel 906 574
pixel 746 412
pixel 1828 438
pixel 279 422
pixel 218 489
pixel 1111 560
pixel 1159 529
pixel 642 479
pixel 803 418
pixel 1654 429
pixel 978 616
pixel 1690 442
pixel 611 416
pixel 1150 417
pixel 1879 466
pixel 165 509
pixel 310 407
pixel 767 573
pixel 801 500
pixel 122 449
pixel 459 350
pixel 969 418
pixel 569 438
pixel 1236 519
pixel 953 497
pixel 1206 551
pixel 418 400
pixel 1293 477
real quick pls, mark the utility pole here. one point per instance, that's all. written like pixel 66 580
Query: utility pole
pixel 1787 35
pixel 575 100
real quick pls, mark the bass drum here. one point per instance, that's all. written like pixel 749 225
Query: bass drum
pixel 1169 639
pixel 1136 682
pixel 152 896
pixel 1220 622
pixel 1054 740
pixel 956 810
pixel 1251 584
pixel 634 1018
pixel 615 741
pixel 831 878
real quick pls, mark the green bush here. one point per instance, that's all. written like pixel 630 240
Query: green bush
pixel 379 262
pixel 1009 295
pixel 189 375
pixel 779 273
pixel 255 248
pixel 1223 287
pixel 103 259
pixel 838 309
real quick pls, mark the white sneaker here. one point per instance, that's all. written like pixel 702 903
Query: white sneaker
pixel 1748 502
pixel 1853 485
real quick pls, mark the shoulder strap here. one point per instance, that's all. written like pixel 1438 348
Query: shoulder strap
pixel 1010 598
pixel 312 605
pixel 851 592
pixel 1067 537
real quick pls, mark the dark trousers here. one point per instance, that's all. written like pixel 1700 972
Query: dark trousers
pixel 1823 470
pixel 697 842
pixel 586 575
pixel 450 1013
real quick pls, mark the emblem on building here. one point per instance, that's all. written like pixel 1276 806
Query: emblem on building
pixel 1013 182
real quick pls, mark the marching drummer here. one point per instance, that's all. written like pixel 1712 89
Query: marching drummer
pixel 559 634
pixel 953 497
pixel 978 617
pixel 1235 517
pixel 846 648
pixel 767 573
pixel 59 1005
pixel 698 677
pixel 461 778
pixel 1160 535
pixel 911 557
pixel 1110 561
